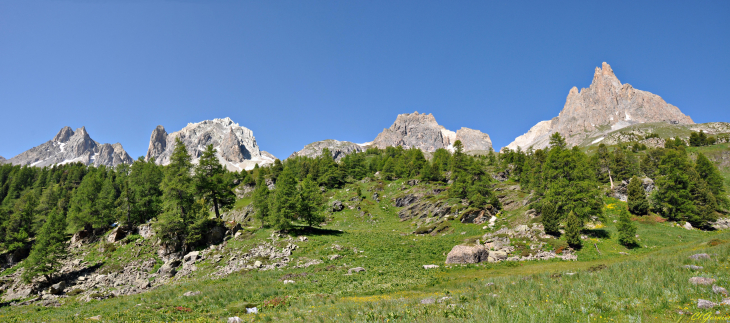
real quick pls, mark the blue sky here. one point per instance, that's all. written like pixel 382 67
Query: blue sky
pixel 295 72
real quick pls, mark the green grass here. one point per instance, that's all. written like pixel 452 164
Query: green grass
pixel 645 284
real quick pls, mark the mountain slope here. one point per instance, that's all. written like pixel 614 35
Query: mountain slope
pixel 607 105
pixel 338 149
pixel 236 145
pixel 69 147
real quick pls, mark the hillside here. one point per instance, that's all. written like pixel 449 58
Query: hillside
pixel 369 261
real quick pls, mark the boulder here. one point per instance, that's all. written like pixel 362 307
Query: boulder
pixel 142 283
pixel 701 281
pixel 235 319
pixel 117 234
pixel 721 224
pixel 463 254
pixel 687 226
pixel 11 295
pixel 337 206
pixel 701 303
pixel 475 216
pixel 145 230
pixel 191 257
pixel 719 290
pixel 57 288
pixel 216 234
pixel 699 256
pixel 168 269
pixel 498 255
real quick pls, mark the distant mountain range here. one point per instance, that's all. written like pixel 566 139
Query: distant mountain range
pixel 587 117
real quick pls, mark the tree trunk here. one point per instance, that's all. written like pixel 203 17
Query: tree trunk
pixel 215 206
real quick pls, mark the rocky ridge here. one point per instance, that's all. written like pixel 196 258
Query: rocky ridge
pixel 337 148
pixel 607 105
pixel 70 146
pixel 410 130
pixel 236 145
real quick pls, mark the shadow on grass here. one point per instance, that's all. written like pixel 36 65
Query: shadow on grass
pixel 305 230
pixel 597 233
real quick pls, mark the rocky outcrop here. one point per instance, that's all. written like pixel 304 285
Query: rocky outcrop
pixel 607 105
pixel 338 149
pixel 2 160
pixel 416 130
pixel 462 254
pixel 474 140
pixel 70 146
pixel 236 145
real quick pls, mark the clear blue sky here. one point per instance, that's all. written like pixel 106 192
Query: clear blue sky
pixel 295 72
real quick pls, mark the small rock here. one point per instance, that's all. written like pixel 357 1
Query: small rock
pixel 427 301
pixel 94 318
pixel 142 283
pixel 430 266
pixel 252 310
pixel 699 256
pixel 701 281
pixel 355 270
pixel 288 282
pixel 257 264
pixel 522 228
pixel 701 303
pixel 57 288
pixel 188 294
pixel 719 290
pixel 443 299
pixel 693 267
pixel 687 226
pixel 235 319
pixel 725 302
pixel 303 239
pixel 335 257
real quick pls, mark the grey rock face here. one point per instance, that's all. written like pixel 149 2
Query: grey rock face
pixel 236 145
pixel 605 106
pixel 474 139
pixel 2 160
pixel 462 254
pixel 337 148
pixel 70 147
pixel 416 130
pixel 412 130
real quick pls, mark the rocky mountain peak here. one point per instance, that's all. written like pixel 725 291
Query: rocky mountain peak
pixel 70 146
pixel 606 105
pixel 63 135
pixel 236 145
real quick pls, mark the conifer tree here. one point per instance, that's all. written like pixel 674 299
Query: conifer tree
pixel 145 179
pixel 573 226
pixel 177 196
pixel 707 171
pixel 210 181
pixel 311 202
pixel 620 168
pixel 19 224
pixel 637 201
pixel 286 200
pixel 84 212
pixel 106 201
pixel 626 229
pixel 550 220
pixel 427 172
pixel 261 199
pixel 48 250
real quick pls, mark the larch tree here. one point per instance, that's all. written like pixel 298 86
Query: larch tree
pixel 210 181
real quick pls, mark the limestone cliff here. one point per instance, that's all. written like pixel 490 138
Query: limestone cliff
pixel 236 145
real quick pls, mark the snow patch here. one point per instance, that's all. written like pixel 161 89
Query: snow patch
pixel 365 144
pixel 62 146
pixel 597 140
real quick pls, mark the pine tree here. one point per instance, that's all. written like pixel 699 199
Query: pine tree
pixel 177 196
pixel 550 220
pixel 145 181
pixel 620 168
pixel 19 224
pixel 637 201
pixel 84 212
pixel 556 140
pixel 210 181
pixel 261 199
pixel 48 250
pixel 311 202
pixel 626 229
pixel 286 200
pixel 427 172
pixel 673 199
pixel 106 202
pixel 573 227
pixel 710 174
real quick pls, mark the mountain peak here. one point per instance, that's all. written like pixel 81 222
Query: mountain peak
pixel 63 135
pixel 605 103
